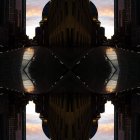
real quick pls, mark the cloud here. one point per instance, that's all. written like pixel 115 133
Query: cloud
pixel 33 21
pixel 33 15
pixel 35 132
pixel 33 128
pixel 33 118
pixel 33 124
pixel 105 132
pixel 106 15
pixel 105 9
pixel 106 128
pixel 33 10
pixel 106 124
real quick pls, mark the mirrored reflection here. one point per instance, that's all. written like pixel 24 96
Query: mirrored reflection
pixel 28 54
pixel 70 110
pixel 100 70
pixel 28 86
pixel 127 116
pixel 33 124
pixel 111 83
pixel 70 116
pixel 28 83
pixel 111 54
pixel 106 124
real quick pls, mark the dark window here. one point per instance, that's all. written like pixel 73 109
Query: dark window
pixel 78 15
pixel 138 11
pixel 1 11
pixel 77 40
pixel 73 8
pixel 68 35
pixel 66 131
pixel 138 127
pixel 1 127
pixel 72 35
pixel 66 8
pixel 68 106
pixel 73 131
pixel 62 100
pixel 71 104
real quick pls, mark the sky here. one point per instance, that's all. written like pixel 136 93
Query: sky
pixel 106 17
pixel 105 12
pixel 105 124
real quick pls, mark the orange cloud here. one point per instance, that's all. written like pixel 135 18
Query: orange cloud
pixel 106 128
pixel 35 132
pixel 33 128
pixel 106 11
pixel 33 10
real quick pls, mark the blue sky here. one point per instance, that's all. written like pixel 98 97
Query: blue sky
pixel 105 12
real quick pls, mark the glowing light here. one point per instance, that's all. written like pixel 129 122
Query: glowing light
pixel 28 86
pixel 45 19
pixel 26 78
pixel 111 54
pixel 111 86
pixel 94 19
pixel 28 54
pixel 113 78
pixel 45 121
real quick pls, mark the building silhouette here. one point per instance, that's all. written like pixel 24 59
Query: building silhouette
pixel 127 117
pixel 69 116
pixel 72 23
pixel 12 22
pixel 12 117
pixel 127 22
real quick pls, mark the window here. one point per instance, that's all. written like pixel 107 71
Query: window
pixel 73 8
pixel 66 8
pixel 138 11
pixel 68 35
pixel 66 131
pixel 138 126
pixel 1 11
pixel 62 41
pixel 1 127
pixel 72 35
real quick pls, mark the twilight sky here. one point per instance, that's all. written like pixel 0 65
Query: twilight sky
pixel 105 124
pixel 105 11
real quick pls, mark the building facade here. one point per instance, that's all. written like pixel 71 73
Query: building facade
pixel 67 24
pixel 70 23
pixel 69 117
pixel 127 117
pixel 12 117
pixel 3 22
pixel 12 22
pixel 126 22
